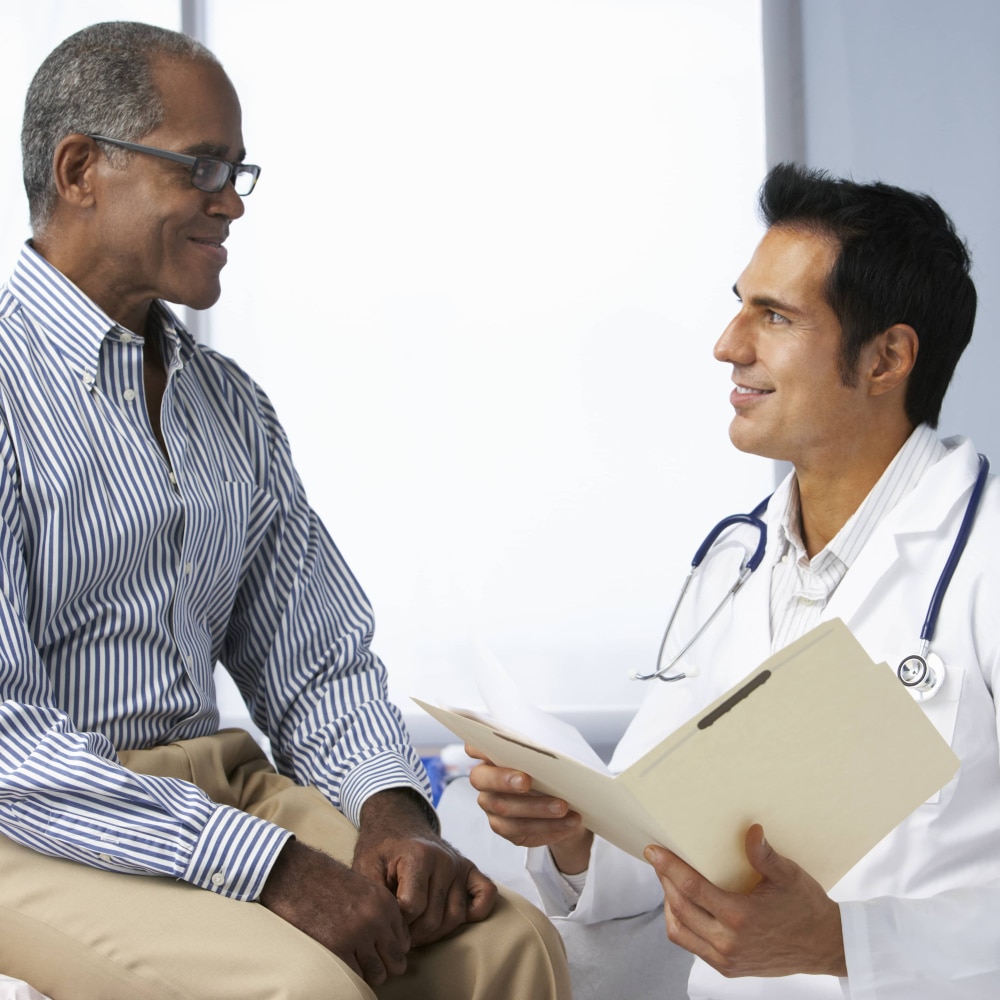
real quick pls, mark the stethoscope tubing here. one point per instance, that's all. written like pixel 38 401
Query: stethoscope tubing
pixel 961 539
pixel 754 520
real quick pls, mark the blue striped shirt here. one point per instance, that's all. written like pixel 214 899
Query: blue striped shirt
pixel 125 576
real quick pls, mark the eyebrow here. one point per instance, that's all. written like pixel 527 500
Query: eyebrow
pixel 767 302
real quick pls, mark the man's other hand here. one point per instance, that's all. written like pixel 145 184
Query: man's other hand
pixel 356 918
pixel 437 889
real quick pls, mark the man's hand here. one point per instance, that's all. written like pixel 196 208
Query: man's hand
pixel 436 888
pixel 357 919
pixel 530 819
pixel 785 925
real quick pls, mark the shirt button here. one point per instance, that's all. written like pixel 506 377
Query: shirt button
pixel 129 394
pixel 126 337
pixel 106 858
pixel 218 879
pixel 187 568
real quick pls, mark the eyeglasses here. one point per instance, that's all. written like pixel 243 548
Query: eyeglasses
pixel 208 173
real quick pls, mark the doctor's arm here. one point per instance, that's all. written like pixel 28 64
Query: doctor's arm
pixel 528 818
pixel 785 925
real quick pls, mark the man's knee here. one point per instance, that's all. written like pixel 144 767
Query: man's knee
pixel 515 952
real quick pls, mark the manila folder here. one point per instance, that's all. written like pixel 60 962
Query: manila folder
pixel 824 748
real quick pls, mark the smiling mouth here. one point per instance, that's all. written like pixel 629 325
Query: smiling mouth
pixel 746 390
pixel 213 247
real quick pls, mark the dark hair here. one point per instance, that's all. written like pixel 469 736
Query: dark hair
pixel 98 81
pixel 900 261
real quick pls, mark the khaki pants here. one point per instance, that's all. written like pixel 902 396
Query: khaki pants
pixel 77 933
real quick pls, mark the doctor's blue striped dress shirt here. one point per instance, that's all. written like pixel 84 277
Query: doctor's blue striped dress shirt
pixel 124 577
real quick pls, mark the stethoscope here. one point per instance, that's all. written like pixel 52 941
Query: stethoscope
pixel 922 673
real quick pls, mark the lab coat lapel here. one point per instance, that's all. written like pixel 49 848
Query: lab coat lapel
pixel 920 513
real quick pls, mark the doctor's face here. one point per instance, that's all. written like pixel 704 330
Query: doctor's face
pixel 790 398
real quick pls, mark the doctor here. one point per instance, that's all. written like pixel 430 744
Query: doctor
pixel 853 312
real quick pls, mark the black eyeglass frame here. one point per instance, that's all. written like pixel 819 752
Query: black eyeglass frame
pixel 195 163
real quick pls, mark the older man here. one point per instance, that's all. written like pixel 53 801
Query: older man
pixel 152 523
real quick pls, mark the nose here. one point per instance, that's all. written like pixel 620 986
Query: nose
pixel 735 346
pixel 226 203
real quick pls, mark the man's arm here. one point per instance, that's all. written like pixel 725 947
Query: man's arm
pixel 63 791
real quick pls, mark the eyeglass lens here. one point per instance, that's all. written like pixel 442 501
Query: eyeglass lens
pixel 209 174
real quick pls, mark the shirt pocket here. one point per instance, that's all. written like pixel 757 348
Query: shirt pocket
pixel 227 529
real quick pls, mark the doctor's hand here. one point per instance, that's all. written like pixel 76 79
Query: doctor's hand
pixel 435 887
pixel 785 925
pixel 528 818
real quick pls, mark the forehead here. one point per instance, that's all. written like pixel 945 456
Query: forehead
pixel 200 105
pixel 790 263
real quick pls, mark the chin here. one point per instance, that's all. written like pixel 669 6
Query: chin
pixel 751 444
pixel 197 300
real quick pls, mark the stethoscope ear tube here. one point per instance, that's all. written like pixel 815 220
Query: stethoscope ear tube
pixel 661 673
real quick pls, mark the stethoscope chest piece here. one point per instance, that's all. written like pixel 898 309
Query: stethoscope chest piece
pixel 922 675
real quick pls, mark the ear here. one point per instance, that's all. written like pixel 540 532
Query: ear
pixel 893 355
pixel 75 167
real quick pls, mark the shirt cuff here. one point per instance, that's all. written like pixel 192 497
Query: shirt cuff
pixel 857 952
pixel 235 853
pixel 379 774
pixel 558 894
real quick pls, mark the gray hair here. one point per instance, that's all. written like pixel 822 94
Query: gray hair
pixel 98 81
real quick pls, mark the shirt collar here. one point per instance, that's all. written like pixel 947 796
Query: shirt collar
pixel 53 303
pixel 919 452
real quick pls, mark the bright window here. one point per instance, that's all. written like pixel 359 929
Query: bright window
pixel 481 277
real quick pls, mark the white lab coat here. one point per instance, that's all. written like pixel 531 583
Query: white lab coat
pixel 921 912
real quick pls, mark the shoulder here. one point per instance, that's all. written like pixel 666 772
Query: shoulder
pixel 228 383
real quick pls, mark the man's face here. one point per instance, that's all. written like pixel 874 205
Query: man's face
pixel 158 235
pixel 790 399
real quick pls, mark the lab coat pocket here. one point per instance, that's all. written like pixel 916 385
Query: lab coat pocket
pixel 942 711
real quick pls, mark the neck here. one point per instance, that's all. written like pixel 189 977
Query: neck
pixel 831 492
pixel 85 269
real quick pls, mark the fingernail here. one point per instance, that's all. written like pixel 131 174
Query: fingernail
pixel 517 782
pixel 649 854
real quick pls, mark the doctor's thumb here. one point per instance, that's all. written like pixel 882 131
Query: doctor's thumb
pixel 761 855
